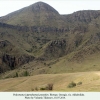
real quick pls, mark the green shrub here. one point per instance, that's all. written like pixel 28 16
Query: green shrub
pixel 43 88
pixel 26 73
pixel 16 74
pixel 45 64
pixel 79 83
pixel 71 85
pixel 7 77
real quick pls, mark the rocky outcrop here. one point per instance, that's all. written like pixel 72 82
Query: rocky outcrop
pixel 48 29
pixel 55 49
pixel 4 43
pixel 35 29
pixel 79 29
pixel 19 28
pixel 9 60
pixel 24 59
pixel 13 62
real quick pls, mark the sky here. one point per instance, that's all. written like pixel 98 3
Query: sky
pixel 62 6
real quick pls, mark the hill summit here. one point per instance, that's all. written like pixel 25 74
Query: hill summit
pixel 41 6
pixel 36 14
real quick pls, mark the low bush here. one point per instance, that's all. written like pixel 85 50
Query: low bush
pixel 71 85
pixel 26 73
pixel 50 86
pixel 36 88
pixel 47 87
pixel 16 74
pixel 32 89
pixel 43 88
pixel 79 83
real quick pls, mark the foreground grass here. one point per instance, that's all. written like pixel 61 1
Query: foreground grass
pixel 90 82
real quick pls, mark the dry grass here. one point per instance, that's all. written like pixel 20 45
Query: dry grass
pixel 90 82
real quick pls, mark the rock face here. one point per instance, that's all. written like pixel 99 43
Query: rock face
pixel 13 62
pixel 9 60
pixel 4 44
pixel 56 49
pixel 48 29
pixel 34 29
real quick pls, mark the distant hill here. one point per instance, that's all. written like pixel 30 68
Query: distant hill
pixel 39 35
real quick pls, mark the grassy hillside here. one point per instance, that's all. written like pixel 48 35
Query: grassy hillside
pixel 90 82
pixel 56 66
pixel 39 40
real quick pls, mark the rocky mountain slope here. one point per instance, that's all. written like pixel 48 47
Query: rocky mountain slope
pixel 38 33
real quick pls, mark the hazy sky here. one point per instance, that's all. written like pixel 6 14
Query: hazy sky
pixel 62 6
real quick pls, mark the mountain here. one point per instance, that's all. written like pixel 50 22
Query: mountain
pixel 40 40
pixel 38 14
